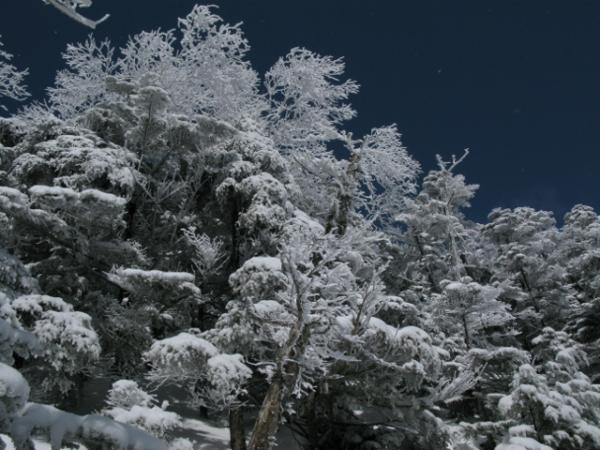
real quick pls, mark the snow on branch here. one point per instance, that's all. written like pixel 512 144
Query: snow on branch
pixel 449 166
pixel 69 8
pixel 11 79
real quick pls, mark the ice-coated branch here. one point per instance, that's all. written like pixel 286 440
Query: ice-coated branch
pixel 449 166
pixel 69 8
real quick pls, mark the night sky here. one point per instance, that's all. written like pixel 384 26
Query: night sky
pixel 517 82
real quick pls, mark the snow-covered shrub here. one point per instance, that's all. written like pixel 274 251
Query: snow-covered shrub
pixel 127 403
pixel 226 376
pixel 127 393
pixel 14 393
pixel 212 378
pixel 69 344
pixel 563 414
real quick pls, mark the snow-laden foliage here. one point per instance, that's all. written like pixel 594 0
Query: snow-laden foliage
pixel 201 66
pixel 309 101
pixel 64 340
pixel 213 379
pixel 11 79
pixel 128 403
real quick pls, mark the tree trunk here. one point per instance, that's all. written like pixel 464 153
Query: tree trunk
pixel 234 260
pixel 434 286
pixel 267 422
pixel 236 428
pixel 467 336
pixel 340 212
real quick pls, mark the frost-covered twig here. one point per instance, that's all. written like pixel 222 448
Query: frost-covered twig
pixel 449 166
pixel 11 79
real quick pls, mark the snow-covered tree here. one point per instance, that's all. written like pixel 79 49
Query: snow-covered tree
pixel 538 290
pixel 128 403
pixel 556 401
pixel 43 327
pixel 308 100
pixel 203 71
pixel 472 308
pixel 169 217
pixel 437 238
pixel 11 79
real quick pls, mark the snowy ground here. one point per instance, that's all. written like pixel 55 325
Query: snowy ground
pixel 204 435
pixel 45 446
pixel 38 444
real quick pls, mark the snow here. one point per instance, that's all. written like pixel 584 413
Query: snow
pixel 522 443
pixel 153 276
pixel 127 393
pixel 14 195
pixel 269 308
pixel 39 445
pixel 61 425
pixel 128 403
pixel 589 430
pixel 36 304
pixel 13 387
pixel 145 282
pixel 122 436
pixel 72 328
pixel 414 333
pixel 99 196
pixel 228 367
pixel 226 376
pixel 68 194
pixel 179 350
pixel 340 299
pixel 263 263
pixel 81 161
pixel 154 419
pixel 209 436
pixel 521 430
pixel 304 221
pixel 399 335
pixel 568 413
pixel 510 353
pixel 53 191
pixel 8 443
pixel 345 323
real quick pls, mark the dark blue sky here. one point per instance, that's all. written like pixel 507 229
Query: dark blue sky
pixel 518 82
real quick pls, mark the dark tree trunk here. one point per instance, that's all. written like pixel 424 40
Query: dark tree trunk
pixel 267 422
pixel 466 328
pixel 340 213
pixel 234 260
pixel 434 286
pixel 236 428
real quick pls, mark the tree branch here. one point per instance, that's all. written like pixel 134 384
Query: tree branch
pixel 73 14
